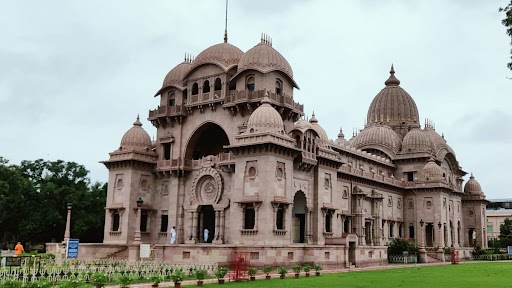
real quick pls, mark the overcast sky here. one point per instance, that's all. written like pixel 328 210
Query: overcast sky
pixel 75 74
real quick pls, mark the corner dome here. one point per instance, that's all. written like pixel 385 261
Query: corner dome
pixel 472 187
pixel 379 135
pixel 264 58
pixel 432 172
pixel 302 125
pixel 136 138
pixel 318 129
pixel 222 54
pixel 265 119
pixel 393 106
pixel 341 139
pixel 175 76
pixel 437 141
pixel 416 140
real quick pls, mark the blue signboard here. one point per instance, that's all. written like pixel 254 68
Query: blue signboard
pixel 72 248
pixel 509 250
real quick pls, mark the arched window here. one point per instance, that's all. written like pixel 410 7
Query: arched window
pixel 195 88
pixel 249 216
pixel 172 99
pixel 328 218
pixel 218 85
pixel 115 221
pixel 250 83
pixel 280 217
pixel 206 86
pixel 411 231
pixel 278 87
pixel 232 85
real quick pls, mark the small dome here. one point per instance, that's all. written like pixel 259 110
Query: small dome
pixel 223 54
pixel 472 187
pixel 432 171
pixel 379 135
pixel 302 125
pixel 175 76
pixel 264 58
pixel 265 119
pixel 319 130
pixel 341 139
pixel 393 106
pixel 136 138
pixel 416 140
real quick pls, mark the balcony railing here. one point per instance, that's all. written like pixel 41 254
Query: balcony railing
pixel 377 177
pixel 187 164
pixel 167 111
pixel 246 95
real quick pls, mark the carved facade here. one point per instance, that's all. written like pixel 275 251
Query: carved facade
pixel 234 155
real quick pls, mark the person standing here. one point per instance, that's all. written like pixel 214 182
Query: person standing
pixel 18 249
pixel 205 235
pixel 173 235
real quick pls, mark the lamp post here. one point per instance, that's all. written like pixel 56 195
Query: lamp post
pixel 67 233
pixel 136 239
pixel 422 252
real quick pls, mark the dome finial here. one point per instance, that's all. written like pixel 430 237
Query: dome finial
pixel 266 98
pixel 341 135
pixel 392 81
pixel 471 177
pixel 137 122
pixel 226 25
pixel 313 118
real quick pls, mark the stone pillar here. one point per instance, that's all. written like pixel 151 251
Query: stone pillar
pixel 217 228
pixel 222 223
pixel 67 233
pixel 422 257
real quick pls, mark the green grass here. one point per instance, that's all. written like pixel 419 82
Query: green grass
pixel 494 274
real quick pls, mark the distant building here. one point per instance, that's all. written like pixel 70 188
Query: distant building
pixel 497 211
pixel 235 155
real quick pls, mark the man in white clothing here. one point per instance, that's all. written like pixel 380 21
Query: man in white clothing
pixel 205 234
pixel 173 235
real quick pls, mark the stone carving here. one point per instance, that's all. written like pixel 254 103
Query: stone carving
pixel 207 187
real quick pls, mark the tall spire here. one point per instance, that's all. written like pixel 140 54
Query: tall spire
pixel 226 25
pixel 392 81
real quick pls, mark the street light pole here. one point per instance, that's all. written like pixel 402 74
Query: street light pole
pixel 136 239
pixel 67 233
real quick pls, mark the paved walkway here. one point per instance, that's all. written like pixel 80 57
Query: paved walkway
pixel 291 274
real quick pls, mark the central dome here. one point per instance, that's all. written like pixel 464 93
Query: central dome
pixel 393 106
pixel 223 54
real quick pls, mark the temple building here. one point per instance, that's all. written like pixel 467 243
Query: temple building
pixel 235 155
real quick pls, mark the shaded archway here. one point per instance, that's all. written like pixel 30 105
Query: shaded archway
pixel 208 139
pixel 206 220
pixel 299 218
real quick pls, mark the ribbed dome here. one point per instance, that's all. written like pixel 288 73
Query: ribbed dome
pixel 341 139
pixel 264 58
pixel 302 125
pixel 318 129
pixel 223 54
pixel 437 141
pixel 378 135
pixel 175 76
pixel 265 119
pixel 432 171
pixel 472 187
pixel 136 138
pixel 416 140
pixel 393 106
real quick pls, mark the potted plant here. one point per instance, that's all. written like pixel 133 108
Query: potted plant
pixel 317 268
pixel 281 270
pixel 306 269
pixel 267 270
pixel 124 281
pixel 252 272
pixel 296 268
pixel 200 275
pixel 177 276
pixel 156 280
pixel 220 274
pixel 99 279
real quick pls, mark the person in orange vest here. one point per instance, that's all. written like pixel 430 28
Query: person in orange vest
pixel 18 249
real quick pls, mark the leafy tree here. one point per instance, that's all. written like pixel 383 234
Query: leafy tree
pixel 506 233
pixel 507 22
pixel 398 246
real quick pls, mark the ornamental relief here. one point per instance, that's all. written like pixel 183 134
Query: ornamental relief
pixel 207 187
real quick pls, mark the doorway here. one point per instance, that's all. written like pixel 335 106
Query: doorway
pixel 299 221
pixel 429 234
pixel 352 253
pixel 206 220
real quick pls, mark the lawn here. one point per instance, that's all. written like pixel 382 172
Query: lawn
pixel 495 274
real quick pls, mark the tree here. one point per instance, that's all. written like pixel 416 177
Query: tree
pixel 508 23
pixel 398 246
pixel 506 233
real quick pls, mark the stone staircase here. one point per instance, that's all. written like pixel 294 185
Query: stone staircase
pixel 432 258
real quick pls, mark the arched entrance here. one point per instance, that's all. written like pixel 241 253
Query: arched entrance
pixel 299 218
pixel 206 221
pixel 208 139
pixel 429 234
